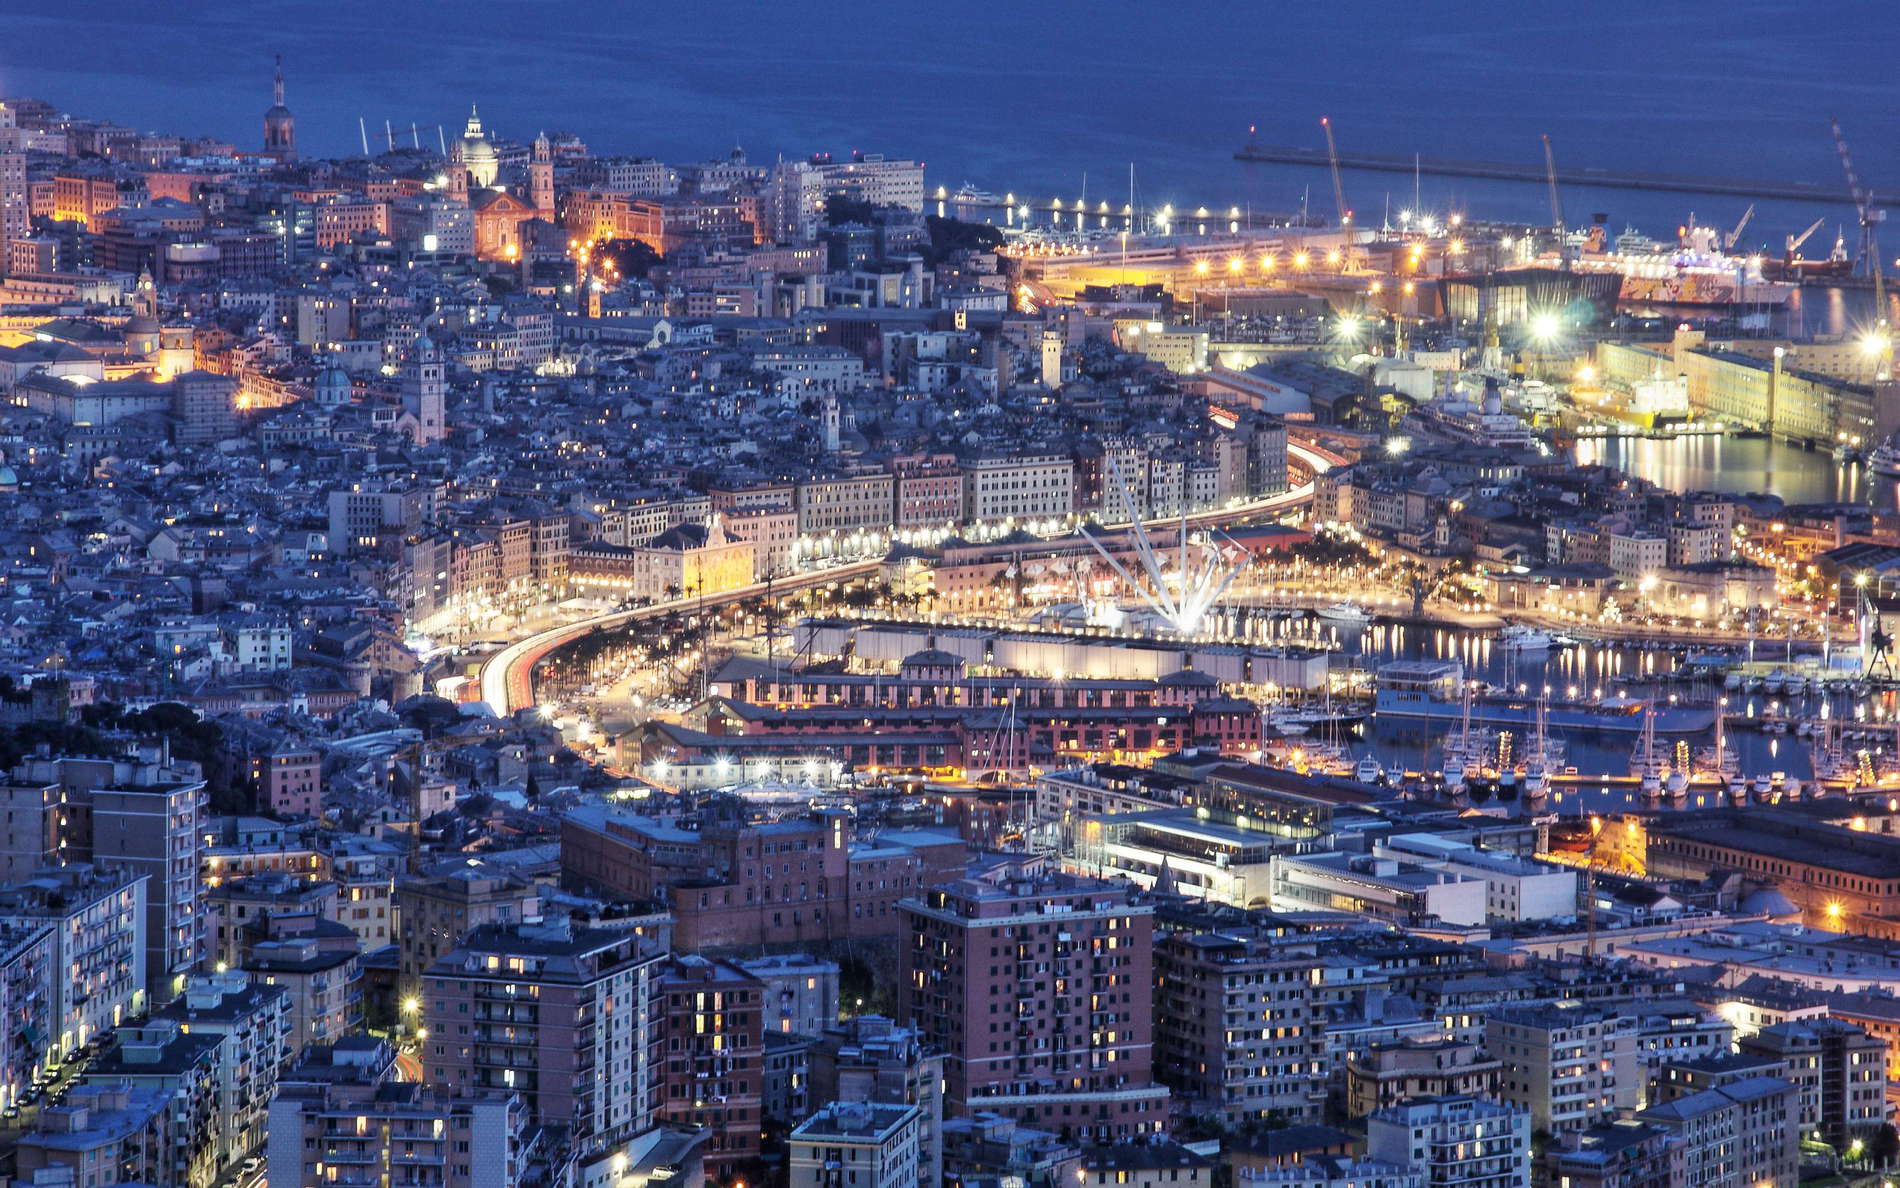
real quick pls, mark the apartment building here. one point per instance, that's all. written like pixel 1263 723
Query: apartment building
pixel 1039 988
pixel 107 1134
pixel 436 913
pixel 359 1129
pixel 870 1058
pixel 565 1017
pixel 1034 487
pixel 27 975
pixel 98 949
pixel 861 1143
pixel 1238 1025
pixel 1569 1066
pixel 1390 1074
pixel 1455 1142
pixel 713 1072
pixel 1743 1132
pixel 141 813
pixel 251 1023
pixel 801 992
pixel 845 503
pixel 1839 1073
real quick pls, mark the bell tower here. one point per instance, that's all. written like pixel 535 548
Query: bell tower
pixel 541 178
pixel 280 127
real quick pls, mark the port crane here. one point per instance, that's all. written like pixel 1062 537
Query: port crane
pixel 1339 194
pixel 1734 237
pixel 1795 241
pixel 1556 205
pixel 1871 217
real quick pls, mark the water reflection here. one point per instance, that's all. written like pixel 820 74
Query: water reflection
pixel 1740 465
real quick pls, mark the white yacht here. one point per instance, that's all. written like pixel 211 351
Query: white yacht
pixel 1346 613
pixel 1522 637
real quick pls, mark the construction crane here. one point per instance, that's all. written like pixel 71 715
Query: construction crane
pixel 1734 237
pixel 1795 241
pixel 1339 193
pixel 1880 342
pixel 1556 205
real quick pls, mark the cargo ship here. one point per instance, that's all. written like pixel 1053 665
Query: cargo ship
pixel 1432 691
pixel 1696 272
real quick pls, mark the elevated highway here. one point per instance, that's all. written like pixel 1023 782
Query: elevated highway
pixel 507 677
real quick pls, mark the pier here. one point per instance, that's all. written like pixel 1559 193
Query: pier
pixel 1534 173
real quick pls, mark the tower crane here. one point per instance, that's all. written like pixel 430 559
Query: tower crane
pixel 1339 193
pixel 1880 342
pixel 1734 237
pixel 1556 205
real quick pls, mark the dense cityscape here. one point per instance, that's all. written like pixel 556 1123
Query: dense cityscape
pixel 528 665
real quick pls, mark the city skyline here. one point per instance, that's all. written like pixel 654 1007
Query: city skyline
pixel 575 647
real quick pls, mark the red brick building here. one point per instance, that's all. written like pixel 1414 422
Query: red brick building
pixel 1039 989
pixel 732 884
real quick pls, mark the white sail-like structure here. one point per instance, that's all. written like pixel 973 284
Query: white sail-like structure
pixel 1203 570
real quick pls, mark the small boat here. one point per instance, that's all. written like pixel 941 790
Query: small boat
pixel 1536 780
pixel 1524 638
pixel 1676 783
pixel 1370 771
pixel 1885 460
pixel 1346 613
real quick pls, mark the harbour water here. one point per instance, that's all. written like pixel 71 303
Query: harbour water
pixel 977 90
pixel 1740 465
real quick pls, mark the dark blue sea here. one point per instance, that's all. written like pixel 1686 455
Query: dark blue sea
pixel 1035 97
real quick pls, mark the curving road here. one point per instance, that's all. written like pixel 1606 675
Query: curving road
pixel 507 677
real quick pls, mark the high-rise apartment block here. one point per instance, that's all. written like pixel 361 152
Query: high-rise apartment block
pixel 1038 987
pixel 566 1017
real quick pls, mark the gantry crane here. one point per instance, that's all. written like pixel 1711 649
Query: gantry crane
pixel 1871 217
pixel 1556 205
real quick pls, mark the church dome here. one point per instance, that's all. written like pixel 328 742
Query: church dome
pixel 478 153
pixel 333 386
